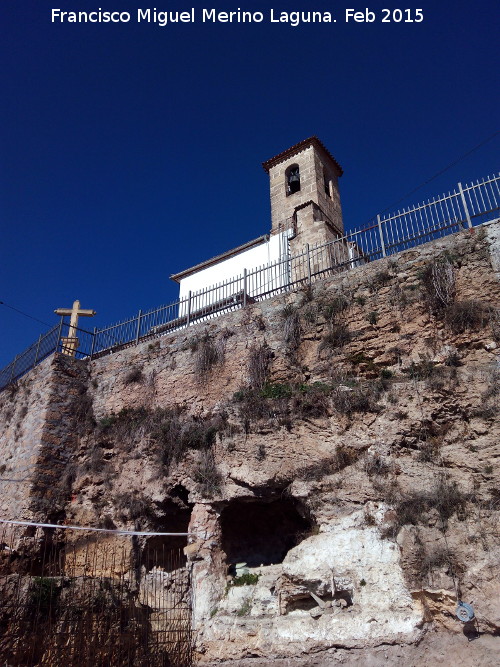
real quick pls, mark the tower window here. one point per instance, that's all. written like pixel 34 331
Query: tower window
pixel 326 182
pixel 292 176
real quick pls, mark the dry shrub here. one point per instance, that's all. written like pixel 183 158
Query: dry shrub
pixel 343 458
pixel 495 324
pixel 427 561
pixel 492 503
pixel 388 490
pixel 307 295
pixel 332 308
pixel 134 376
pixel 493 381
pixel 207 355
pixel 291 327
pixel 310 314
pixel 278 403
pixel 488 408
pixel 83 411
pixel 439 285
pixel 338 336
pixel 259 361
pixel 430 449
pixel 376 465
pixel 168 430
pixel 360 398
pixel 95 463
pixel 453 360
pixel 467 315
pixel 436 558
pixel 446 498
pixel 133 506
pixel 11 389
pixel 207 475
pixel 380 279
pixel 252 406
pixel 421 370
pixel 312 402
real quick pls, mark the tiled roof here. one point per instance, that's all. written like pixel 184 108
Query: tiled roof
pixel 312 141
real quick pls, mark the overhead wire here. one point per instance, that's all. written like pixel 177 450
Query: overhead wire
pixel 2 303
pixel 438 173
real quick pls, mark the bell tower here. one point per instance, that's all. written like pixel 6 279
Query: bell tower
pixel 305 193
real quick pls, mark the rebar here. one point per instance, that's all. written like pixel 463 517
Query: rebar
pixel 83 599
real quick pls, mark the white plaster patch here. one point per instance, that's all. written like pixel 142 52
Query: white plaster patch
pixel 361 563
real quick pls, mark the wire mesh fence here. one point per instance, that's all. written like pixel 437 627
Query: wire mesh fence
pixel 78 599
pixel 464 207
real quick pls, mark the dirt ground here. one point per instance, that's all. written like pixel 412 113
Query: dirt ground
pixel 436 648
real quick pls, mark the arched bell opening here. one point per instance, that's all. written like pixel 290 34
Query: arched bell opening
pixel 292 177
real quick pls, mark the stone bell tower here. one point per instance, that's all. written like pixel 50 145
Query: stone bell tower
pixel 305 193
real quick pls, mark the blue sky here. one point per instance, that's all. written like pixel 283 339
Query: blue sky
pixel 131 151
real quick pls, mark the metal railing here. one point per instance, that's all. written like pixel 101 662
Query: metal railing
pixel 55 340
pixel 464 207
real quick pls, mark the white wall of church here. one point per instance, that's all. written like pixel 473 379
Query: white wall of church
pixel 269 252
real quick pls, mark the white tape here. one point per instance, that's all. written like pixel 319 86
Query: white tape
pixel 98 530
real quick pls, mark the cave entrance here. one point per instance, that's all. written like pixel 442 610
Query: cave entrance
pixel 166 551
pixel 261 533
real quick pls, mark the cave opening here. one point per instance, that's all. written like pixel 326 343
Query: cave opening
pixel 166 551
pixel 262 533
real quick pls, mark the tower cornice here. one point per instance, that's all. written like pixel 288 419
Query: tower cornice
pixel 297 148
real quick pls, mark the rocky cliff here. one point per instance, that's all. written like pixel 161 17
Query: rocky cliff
pixel 333 453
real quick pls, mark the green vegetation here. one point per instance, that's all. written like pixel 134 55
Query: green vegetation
pixel 44 595
pixel 247 579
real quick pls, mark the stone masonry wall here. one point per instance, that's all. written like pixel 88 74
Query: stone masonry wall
pixel 23 408
pixel 39 417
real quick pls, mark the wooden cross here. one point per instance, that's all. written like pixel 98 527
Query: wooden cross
pixel 70 342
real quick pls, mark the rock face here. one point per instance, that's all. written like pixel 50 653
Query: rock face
pixel 332 452
pixel 342 587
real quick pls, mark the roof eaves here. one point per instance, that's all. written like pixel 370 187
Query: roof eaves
pixel 219 258
pixel 297 148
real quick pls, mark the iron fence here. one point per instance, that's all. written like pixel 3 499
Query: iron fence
pixel 464 207
pixel 80 598
pixel 58 339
